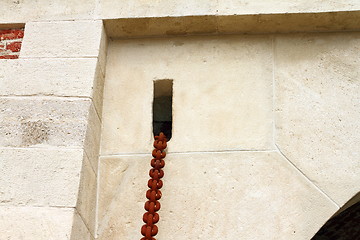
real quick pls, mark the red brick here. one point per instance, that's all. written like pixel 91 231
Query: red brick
pixel 19 33
pixel 11 34
pixel 14 46
pixel 9 57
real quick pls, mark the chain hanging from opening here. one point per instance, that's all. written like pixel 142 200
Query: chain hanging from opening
pixel 151 217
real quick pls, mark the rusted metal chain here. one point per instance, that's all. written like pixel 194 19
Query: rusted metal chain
pixel 151 217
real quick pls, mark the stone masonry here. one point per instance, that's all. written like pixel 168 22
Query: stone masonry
pixel 265 117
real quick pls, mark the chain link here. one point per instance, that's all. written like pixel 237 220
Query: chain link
pixel 151 217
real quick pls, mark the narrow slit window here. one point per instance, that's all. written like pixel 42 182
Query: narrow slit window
pixel 162 107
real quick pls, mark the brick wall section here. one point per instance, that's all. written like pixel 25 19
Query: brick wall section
pixel 10 43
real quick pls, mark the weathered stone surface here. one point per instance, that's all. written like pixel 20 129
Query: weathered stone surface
pixel 98 88
pixel 258 195
pixel 163 8
pixel 242 7
pixel 79 230
pixel 27 11
pixel 104 40
pixel 162 26
pixel 86 204
pixel 288 23
pixel 76 77
pixel 317 108
pixel 63 39
pixel 240 94
pixel 36 121
pixel 92 137
pixel 40 223
pixel 47 121
pixel 131 9
pixel 40 177
pixel 233 24
pixel 42 10
pixel 49 177
pixel 59 77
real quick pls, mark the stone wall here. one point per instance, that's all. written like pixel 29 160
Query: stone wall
pixel 41 10
pixel 254 119
pixel 265 126
pixel 50 101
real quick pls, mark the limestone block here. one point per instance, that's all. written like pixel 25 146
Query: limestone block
pixel 317 108
pixel 104 40
pixel 98 89
pixel 42 10
pixel 50 177
pixel 86 204
pixel 162 8
pixel 47 121
pixel 288 23
pixel 41 223
pixel 161 26
pixel 79 230
pixel 40 177
pixel 243 7
pixel 63 39
pixel 59 77
pixel 28 10
pixel 215 106
pixel 33 121
pixel 92 137
pixel 80 77
pixel 256 195
pixel 233 24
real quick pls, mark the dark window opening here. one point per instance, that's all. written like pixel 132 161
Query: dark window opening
pixel 162 107
pixel 344 225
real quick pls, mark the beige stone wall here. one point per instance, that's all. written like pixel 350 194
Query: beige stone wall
pixel 227 80
pixel 317 108
pixel 51 101
pixel 174 17
pixel 264 134
pixel 265 126
pixel 41 10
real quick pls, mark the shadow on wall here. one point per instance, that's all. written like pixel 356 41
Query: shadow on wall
pixel 344 224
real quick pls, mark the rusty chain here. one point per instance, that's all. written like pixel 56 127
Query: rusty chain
pixel 151 217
